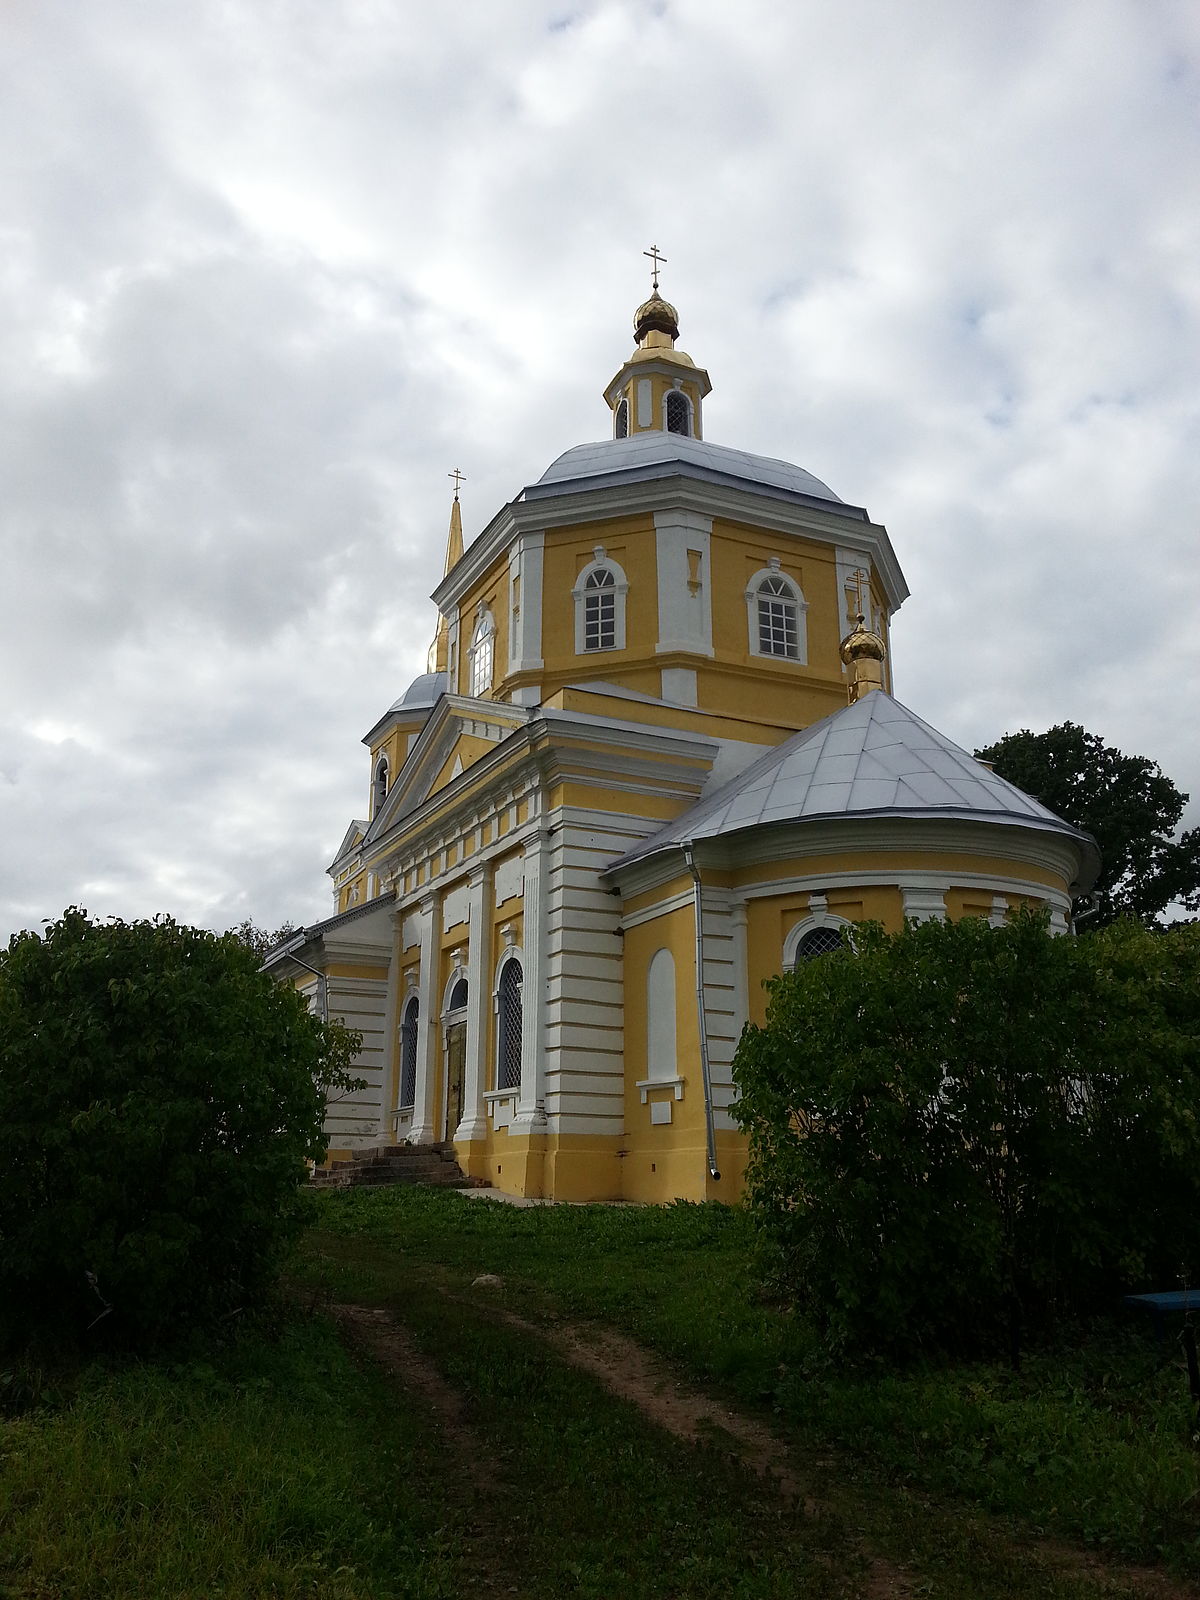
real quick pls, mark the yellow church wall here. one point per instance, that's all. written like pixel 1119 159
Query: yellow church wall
pixel 629 541
pixel 952 863
pixel 491 591
pixel 787 696
pixel 663 1161
pixel 735 724
pixel 467 749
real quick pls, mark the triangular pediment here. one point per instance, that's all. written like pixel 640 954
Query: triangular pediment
pixel 459 734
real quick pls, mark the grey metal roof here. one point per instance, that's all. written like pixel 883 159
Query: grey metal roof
pixel 658 455
pixel 423 691
pixel 871 759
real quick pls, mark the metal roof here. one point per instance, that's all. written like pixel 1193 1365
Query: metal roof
pixel 423 691
pixel 655 454
pixel 874 758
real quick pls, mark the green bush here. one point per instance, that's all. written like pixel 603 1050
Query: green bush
pixel 959 1130
pixel 159 1098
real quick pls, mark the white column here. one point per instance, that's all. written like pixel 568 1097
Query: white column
pixel 531 1107
pixel 429 1050
pixel 389 1082
pixel 479 990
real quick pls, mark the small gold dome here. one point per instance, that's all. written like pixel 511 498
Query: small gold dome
pixel 655 315
pixel 860 643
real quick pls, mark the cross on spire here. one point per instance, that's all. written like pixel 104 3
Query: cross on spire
pixel 459 477
pixel 656 258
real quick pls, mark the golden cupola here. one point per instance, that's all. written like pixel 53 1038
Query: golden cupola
pixel 864 653
pixel 659 389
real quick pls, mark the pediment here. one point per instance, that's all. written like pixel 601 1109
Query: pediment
pixel 459 733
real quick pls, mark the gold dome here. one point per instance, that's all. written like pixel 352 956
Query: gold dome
pixel 860 643
pixel 655 315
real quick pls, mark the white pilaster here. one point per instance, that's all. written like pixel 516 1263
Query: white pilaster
pixel 682 541
pixel 741 975
pixel 391 1036
pixel 429 1049
pixel 531 1107
pixel 479 885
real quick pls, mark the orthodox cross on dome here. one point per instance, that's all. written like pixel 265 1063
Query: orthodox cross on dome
pixel 858 577
pixel 459 477
pixel 656 258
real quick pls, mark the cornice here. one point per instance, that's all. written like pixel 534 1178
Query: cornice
pixel 758 505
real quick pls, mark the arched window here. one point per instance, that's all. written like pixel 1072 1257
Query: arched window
pixel 818 934
pixel 408 1053
pixel 819 942
pixel 599 596
pixel 776 616
pixel 458 996
pixel 482 654
pixel 508 1025
pixel 600 610
pixel 678 410
pixel 621 420
pixel 379 786
pixel 662 1058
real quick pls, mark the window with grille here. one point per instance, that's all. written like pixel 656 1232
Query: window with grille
pixel 621 421
pixel 820 942
pixel 482 653
pixel 408 1053
pixel 679 413
pixel 508 1057
pixel 778 618
pixel 600 610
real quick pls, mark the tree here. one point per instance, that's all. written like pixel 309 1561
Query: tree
pixel 260 940
pixel 958 1130
pixel 160 1098
pixel 1125 802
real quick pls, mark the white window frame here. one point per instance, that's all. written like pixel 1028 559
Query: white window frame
pixel 481 654
pixel 579 594
pixel 773 571
pixel 818 917
pixel 622 405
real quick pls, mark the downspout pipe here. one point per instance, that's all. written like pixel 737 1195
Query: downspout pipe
pixel 322 985
pixel 701 1020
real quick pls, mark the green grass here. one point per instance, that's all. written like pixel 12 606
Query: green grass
pixel 1092 1441
pixel 281 1465
pixel 239 1475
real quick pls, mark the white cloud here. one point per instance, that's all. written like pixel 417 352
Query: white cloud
pixel 269 271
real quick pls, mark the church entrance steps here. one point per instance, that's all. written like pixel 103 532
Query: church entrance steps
pixel 377 1165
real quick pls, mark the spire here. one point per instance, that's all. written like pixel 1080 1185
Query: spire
pixel 454 539
pixel 439 651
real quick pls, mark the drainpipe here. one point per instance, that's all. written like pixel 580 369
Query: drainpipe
pixel 701 1020
pixel 322 987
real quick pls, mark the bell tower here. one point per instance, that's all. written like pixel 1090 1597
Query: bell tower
pixel 659 389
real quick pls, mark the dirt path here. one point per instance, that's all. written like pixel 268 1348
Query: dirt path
pixel 633 1373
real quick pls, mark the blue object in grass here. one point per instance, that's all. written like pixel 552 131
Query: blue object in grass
pixel 1165 1300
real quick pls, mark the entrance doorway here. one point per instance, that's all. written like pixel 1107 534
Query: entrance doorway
pixel 456 1068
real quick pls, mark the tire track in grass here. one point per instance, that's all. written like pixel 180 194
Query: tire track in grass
pixel 630 1371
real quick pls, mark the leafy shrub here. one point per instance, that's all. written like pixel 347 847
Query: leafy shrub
pixel 159 1098
pixel 958 1130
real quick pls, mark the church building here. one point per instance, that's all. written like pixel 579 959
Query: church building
pixel 654 761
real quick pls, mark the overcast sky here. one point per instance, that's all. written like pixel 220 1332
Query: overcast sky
pixel 272 268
